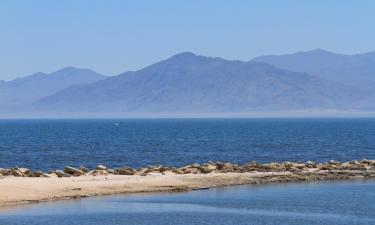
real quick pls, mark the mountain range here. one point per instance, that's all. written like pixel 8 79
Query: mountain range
pixel 189 83
pixel 356 70
pixel 22 93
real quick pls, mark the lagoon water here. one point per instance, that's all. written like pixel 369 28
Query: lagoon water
pixel 51 144
pixel 309 204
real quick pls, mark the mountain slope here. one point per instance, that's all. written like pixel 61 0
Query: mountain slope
pixel 357 70
pixel 191 83
pixel 23 91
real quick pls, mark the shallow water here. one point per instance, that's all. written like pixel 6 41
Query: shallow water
pixel 316 203
pixel 51 144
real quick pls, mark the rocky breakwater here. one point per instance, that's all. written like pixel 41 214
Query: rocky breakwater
pixel 265 173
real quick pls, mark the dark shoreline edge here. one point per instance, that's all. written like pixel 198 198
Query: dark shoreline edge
pixel 363 167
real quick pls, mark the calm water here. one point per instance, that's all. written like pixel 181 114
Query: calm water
pixel 50 144
pixel 308 204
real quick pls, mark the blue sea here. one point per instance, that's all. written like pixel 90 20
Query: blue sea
pixel 52 144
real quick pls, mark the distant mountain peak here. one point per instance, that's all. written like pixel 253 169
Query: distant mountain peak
pixel 355 70
pixel 184 56
pixel 320 50
pixel 25 90
pixel 70 69
pixel 190 57
pixel 315 52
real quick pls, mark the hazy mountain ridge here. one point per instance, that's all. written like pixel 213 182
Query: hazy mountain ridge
pixel 21 92
pixel 188 83
pixel 356 70
pixel 191 83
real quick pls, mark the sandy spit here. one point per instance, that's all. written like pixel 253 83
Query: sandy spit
pixel 21 190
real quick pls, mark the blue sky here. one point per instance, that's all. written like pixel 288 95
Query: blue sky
pixel 115 36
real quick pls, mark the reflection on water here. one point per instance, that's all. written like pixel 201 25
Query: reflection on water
pixel 317 203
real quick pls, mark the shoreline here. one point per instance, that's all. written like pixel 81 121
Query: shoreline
pixel 16 190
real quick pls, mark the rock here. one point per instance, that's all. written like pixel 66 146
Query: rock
pixel 239 169
pixel 141 171
pixel 25 171
pixel 73 171
pixel 354 162
pixel 178 171
pixel 17 173
pixel 310 164
pixel 333 167
pixel 299 165
pixel 84 169
pixel 227 167
pixel 45 175
pixel 345 165
pixel 154 169
pixel 219 165
pixel 164 169
pixel 126 171
pixel 5 172
pixel 38 174
pixel 368 162
pixel 52 174
pixel 323 167
pixel 287 164
pixel 35 174
pixel 101 167
pixel 101 172
pixel 368 168
pixel 195 165
pixel 190 170
pixel 300 171
pixel 294 170
pixel 269 167
pixel 333 162
pixel 252 163
pixel 207 168
pixel 61 173
pixel 251 166
pixel 158 169
pixel 1 176
pixel 110 171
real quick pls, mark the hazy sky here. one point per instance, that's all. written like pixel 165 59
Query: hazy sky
pixel 114 36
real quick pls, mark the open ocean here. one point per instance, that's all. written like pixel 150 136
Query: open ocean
pixel 52 144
